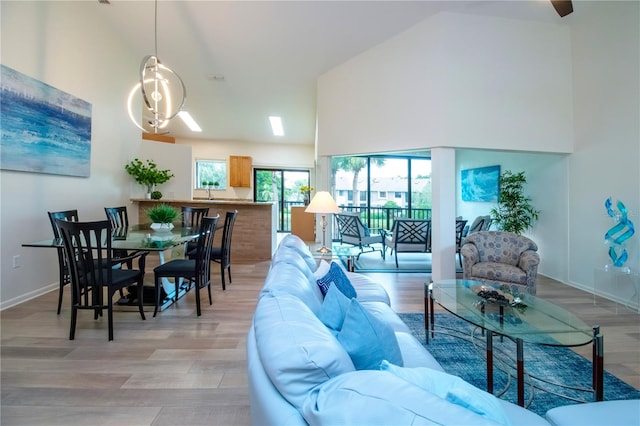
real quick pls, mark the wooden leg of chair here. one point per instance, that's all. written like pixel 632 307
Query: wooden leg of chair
pixel 229 272
pixel 224 287
pixel 197 289
pixel 157 282
pixel 110 315
pixel 209 291
pixel 60 293
pixel 72 329
pixel 140 296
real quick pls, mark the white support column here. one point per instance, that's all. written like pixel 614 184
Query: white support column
pixel 443 223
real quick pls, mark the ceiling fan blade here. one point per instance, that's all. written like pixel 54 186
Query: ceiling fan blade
pixel 563 7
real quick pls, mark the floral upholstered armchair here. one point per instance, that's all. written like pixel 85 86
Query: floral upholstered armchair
pixel 503 257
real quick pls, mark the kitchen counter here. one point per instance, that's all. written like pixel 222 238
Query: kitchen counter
pixel 254 233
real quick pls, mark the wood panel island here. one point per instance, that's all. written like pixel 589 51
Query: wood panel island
pixel 254 233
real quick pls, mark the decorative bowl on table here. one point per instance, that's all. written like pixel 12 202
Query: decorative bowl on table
pixel 492 295
pixel 162 227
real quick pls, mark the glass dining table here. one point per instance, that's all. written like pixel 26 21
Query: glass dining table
pixel 141 237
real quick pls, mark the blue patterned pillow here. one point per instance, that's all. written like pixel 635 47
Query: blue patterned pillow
pixel 337 276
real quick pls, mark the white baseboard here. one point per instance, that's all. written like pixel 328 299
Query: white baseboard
pixel 28 296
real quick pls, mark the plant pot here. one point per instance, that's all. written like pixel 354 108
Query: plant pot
pixel 159 227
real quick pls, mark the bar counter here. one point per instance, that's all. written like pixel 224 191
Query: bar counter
pixel 254 233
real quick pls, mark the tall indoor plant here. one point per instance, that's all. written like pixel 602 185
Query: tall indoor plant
pixel 514 212
pixel 147 174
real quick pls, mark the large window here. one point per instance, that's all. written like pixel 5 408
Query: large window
pixel 383 187
pixel 210 172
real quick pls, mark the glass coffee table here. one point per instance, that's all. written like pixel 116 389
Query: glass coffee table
pixel 524 319
pixel 338 252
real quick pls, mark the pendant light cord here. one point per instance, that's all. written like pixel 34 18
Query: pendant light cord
pixel 156 28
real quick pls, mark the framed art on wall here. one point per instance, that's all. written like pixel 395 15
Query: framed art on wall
pixel 481 184
pixel 43 129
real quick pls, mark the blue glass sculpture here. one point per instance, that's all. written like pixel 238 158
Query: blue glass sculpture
pixel 617 235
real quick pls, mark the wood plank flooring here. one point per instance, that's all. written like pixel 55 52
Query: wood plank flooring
pixel 181 369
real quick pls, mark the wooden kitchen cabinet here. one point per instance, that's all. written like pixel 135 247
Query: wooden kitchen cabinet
pixel 240 171
pixel 303 224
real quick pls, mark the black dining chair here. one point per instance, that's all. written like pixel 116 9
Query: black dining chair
pixel 88 249
pixel 196 270
pixel 63 266
pixel 191 217
pixel 222 254
pixel 119 220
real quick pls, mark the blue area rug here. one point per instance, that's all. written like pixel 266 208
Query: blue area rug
pixel 459 356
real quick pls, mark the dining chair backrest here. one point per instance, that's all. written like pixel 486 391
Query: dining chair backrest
pixel 63 267
pixel 68 215
pixel 192 216
pixel 229 221
pixel 117 216
pixel 206 234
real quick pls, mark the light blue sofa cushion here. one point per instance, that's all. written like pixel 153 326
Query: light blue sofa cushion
pixel 367 340
pixel 337 277
pixel 280 279
pixel 379 398
pixel 453 389
pixel 297 351
pixel 334 309
pixel 296 243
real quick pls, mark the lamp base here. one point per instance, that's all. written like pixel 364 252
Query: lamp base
pixel 324 250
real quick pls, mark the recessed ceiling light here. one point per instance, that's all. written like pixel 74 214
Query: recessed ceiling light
pixel 276 125
pixel 189 121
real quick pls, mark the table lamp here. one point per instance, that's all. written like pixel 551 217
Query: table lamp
pixel 324 204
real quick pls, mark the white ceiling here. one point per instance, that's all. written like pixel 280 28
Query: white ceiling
pixel 272 52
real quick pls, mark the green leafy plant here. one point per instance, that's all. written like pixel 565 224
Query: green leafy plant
pixel 162 213
pixel 514 212
pixel 156 195
pixel 147 173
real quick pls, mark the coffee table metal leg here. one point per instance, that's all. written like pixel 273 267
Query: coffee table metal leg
pixel 489 361
pixel 426 313
pixel 520 368
pixel 598 364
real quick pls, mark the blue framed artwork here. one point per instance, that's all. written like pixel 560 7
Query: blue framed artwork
pixel 42 129
pixel 481 184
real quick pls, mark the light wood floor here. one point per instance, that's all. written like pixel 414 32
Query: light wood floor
pixel 181 369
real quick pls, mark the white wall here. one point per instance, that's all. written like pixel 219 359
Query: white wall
pixel 66 45
pixel 606 162
pixel 453 80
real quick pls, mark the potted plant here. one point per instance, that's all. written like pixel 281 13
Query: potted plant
pixel 147 174
pixel 514 212
pixel 162 216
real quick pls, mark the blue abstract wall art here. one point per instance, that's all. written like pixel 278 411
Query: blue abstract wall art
pixel 481 184
pixel 616 236
pixel 42 129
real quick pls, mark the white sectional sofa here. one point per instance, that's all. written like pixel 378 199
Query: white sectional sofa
pixel 300 372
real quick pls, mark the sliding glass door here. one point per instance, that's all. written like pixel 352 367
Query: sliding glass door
pixel 382 188
pixel 282 187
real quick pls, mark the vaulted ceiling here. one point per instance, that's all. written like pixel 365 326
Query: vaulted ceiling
pixel 242 61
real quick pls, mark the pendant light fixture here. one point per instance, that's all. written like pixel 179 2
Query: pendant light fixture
pixel 162 91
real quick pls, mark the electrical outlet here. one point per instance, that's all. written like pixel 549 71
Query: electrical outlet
pixel 17 261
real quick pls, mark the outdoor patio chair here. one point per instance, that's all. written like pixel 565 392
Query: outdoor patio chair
pixel 353 231
pixel 409 236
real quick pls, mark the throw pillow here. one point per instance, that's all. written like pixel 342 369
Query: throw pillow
pixel 452 388
pixel 336 276
pixel 367 340
pixel 334 308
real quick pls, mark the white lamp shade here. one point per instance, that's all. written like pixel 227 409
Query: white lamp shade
pixel 322 202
